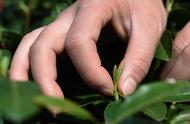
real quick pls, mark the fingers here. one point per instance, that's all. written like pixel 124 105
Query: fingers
pixel 179 65
pixel 20 62
pixel 141 48
pixel 43 52
pixel 81 47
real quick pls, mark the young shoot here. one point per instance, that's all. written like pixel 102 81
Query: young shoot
pixel 116 75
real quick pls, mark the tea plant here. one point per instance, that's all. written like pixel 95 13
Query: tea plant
pixel 153 102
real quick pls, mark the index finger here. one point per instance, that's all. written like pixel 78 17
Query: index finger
pixel 81 47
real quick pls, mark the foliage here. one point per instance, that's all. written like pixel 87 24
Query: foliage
pixel 154 101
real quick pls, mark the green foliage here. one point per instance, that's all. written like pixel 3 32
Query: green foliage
pixel 181 118
pixel 156 111
pixel 17 99
pixel 164 50
pixel 116 75
pixel 158 101
pixel 65 106
pixel 5 58
pixel 145 96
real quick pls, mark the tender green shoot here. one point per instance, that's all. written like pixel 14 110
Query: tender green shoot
pixel 116 75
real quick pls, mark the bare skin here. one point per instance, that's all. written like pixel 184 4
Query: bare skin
pixel 179 66
pixel 77 30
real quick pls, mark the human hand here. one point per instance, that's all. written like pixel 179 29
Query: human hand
pixel 179 65
pixel 77 29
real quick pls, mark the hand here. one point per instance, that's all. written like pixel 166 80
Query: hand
pixel 179 65
pixel 77 30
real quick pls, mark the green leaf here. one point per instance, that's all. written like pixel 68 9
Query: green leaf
pixel 183 96
pixel 5 59
pixel 56 11
pixel 145 96
pixel 91 99
pixel 164 50
pixel 17 99
pixel 156 111
pixel 9 38
pixel 181 118
pixel 114 74
pixel 1 118
pixel 120 71
pixel 111 110
pixel 66 106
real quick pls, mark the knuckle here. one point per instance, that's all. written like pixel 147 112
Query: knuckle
pixel 27 37
pixel 182 41
pixel 140 68
pixel 75 42
pixel 186 54
pixel 35 47
pixel 179 44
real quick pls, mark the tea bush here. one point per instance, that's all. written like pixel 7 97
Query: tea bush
pixel 153 102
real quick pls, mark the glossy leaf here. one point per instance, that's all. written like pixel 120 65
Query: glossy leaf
pixel 164 50
pixel 183 96
pixel 156 111
pixel 145 96
pixel 17 99
pixel 66 106
pixel 181 118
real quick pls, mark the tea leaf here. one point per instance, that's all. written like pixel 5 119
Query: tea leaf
pixel 145 96
pixel 17 99
pixel 115 75
pixel 120 71
pixel 10 38
pixel 181 118
pixel 183 96
pixel 5 59
pixel 91 99
pixel 164 50
pixel 111 110
pixel 65 106
pixel 1 118
pixel 156 111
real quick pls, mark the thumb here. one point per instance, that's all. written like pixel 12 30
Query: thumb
pixel 138 57
pixel 178 67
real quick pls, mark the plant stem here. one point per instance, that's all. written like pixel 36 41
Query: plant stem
pixel 116 95
pixel 26 11
pixel 169 5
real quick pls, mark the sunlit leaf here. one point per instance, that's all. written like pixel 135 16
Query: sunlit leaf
pixel 145 96
pixel 5 59
pixel 181 118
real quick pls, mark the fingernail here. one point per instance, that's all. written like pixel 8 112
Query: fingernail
pixel 107 91
pixel 129 86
